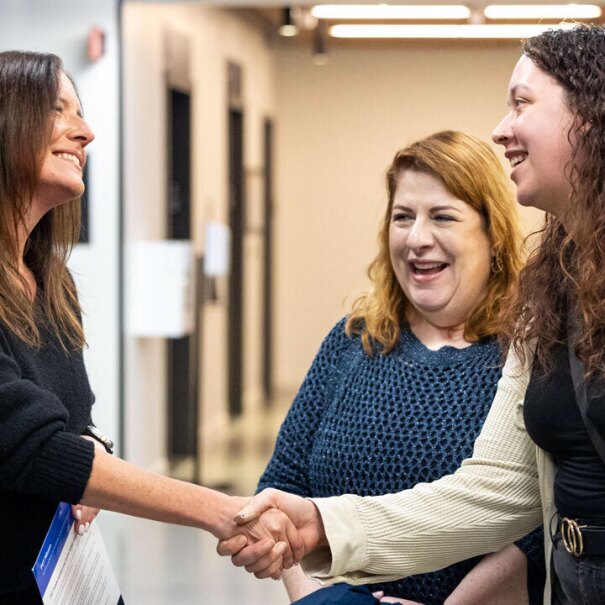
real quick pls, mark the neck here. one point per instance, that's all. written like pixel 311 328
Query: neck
pixel 23 233
pixel 435 337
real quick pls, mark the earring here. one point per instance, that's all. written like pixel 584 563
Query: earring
pixel 496 264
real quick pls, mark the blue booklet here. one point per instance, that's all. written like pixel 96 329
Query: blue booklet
pixel 72 568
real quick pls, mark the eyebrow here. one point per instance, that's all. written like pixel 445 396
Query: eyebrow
pixel 515 89
pixel 432 209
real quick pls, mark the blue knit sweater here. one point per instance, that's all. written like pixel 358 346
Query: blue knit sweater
pixel 374 425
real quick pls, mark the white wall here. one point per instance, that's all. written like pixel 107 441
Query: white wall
pixel 215 37
pixel 61 27
pixel 338 127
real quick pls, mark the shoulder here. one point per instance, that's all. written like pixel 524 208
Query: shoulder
pixel 336 346
pixel 338 338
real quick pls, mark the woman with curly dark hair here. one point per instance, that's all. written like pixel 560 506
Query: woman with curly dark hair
pixel 541 455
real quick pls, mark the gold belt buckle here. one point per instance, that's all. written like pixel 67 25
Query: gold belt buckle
pixel 571 536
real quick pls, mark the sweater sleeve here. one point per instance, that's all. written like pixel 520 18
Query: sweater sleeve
pixel 492 500
pixel 37 455
pixel 288 468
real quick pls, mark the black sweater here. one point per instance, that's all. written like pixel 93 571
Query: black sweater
pixel 45 404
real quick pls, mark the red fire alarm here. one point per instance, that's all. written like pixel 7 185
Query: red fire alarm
pixel 96 44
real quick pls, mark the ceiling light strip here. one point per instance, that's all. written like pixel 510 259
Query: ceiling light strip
pixel 542 11
pixel 384 11
pixel 442 31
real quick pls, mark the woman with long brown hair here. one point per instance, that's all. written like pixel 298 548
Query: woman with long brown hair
pixel 45 397
pixel 540 457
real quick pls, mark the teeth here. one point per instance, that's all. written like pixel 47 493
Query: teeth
pixel 427 265
pixel 515 161
pixel 69 157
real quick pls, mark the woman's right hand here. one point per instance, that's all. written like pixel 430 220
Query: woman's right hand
pixel 262 509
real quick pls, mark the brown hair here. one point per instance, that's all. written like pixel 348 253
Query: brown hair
pixel 569 265
pixel 29 84
pixel 469 170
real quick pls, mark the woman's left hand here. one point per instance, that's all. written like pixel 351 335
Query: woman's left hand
pixel 380 596
pixel 83 517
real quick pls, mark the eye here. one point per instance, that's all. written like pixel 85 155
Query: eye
pixel 518 102
pixel 443 218
pixel 400 217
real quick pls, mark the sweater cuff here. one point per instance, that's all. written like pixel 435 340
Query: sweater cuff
pixel 346 538
pixel 62 467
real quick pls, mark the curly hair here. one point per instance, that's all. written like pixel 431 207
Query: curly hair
pixel 470 171
pixel 568 267
pixel 29 85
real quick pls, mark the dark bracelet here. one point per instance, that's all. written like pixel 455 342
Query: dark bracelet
pixel 97 435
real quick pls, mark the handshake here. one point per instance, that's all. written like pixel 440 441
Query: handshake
pixel 272 532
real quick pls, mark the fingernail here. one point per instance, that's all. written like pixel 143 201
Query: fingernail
pixel 78 514
pixel 81 530
pixel 242 541
pixel 87 526
pixel 280 548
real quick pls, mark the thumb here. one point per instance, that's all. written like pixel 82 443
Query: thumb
pixel 255 507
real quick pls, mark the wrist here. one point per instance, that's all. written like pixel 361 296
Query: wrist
pixel 220 522
pixel 315 534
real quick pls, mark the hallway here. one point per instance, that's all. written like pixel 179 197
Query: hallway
pixel 159 564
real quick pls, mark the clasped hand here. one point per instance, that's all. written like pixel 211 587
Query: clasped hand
pixel 274 531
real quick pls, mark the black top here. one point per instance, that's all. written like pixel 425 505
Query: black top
pixel 45 404
pixel 554 422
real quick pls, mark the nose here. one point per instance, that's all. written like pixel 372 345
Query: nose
pixel 503 131
pixel 420 235
pixel 81 132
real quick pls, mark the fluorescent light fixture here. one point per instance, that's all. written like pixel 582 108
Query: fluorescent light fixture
pixel 386 11
pixel 542 11
pixel 442 31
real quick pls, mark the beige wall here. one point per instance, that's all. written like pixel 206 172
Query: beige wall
pixel 338 126
pixel 215 37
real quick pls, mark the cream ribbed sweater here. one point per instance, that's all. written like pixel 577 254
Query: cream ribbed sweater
pixel 496 497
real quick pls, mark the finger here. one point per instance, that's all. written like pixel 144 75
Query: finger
pixel 267 565
pixel 227 548
pixel 297 546
pixel 378 594
pixel 255 507
pixel 88 514
pixel 252 553
pixel 76 511
pixel 274 571
pixel 275 567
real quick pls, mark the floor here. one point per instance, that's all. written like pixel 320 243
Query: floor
pixel 158 564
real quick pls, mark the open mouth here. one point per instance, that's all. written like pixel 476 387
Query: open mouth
pixel 517 159
pixel 69 157
pixel 427 268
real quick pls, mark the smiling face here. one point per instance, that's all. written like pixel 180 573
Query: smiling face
pixel 439 249
pixel 534 133
pixel 64 159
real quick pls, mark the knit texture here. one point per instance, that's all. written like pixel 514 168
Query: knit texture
pixel 374 425
pixel 45 403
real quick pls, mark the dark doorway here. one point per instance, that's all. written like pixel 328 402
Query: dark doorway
pixel 181 352
pixel 267 340
pixel 237 223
